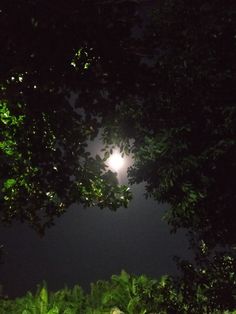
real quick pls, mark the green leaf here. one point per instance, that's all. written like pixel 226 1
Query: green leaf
pixel 43 300
pixel 132 305
pixel 106 155
pixel 55 310
pixel 9 183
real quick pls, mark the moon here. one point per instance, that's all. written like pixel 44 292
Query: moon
pixel 115 161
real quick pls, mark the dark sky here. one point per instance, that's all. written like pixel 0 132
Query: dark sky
pixel 90 244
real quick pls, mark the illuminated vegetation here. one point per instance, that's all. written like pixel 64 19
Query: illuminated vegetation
pixel 166 96
pixel 123 294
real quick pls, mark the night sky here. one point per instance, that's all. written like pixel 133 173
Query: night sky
pixel 86 245
pixel 90 244
pixel 156 79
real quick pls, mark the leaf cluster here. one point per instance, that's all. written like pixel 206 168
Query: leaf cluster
pixel 131 294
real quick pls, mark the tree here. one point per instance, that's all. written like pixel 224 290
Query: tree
pixel 167 95
pixel 46 58
pixel 181 122
pixel 183 126
pixel 208 286
pixel 162 89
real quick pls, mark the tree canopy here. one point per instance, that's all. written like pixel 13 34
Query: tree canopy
pixel 159 79
pixel 52 51
pixel 161 86
pixel 183 125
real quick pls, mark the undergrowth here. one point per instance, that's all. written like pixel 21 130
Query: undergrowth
pixel 122 294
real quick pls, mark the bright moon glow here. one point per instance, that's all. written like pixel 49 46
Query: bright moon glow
pixel 115 161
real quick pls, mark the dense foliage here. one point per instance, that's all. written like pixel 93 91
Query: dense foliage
pixel 123 294
pixel 43 133
pixel 183 126
pixel 166 93
pixel 162 88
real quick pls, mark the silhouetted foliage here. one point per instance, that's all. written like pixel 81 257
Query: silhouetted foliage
pixel 168 90
pixel 183 125
pixel 162 89
pixel 51 53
